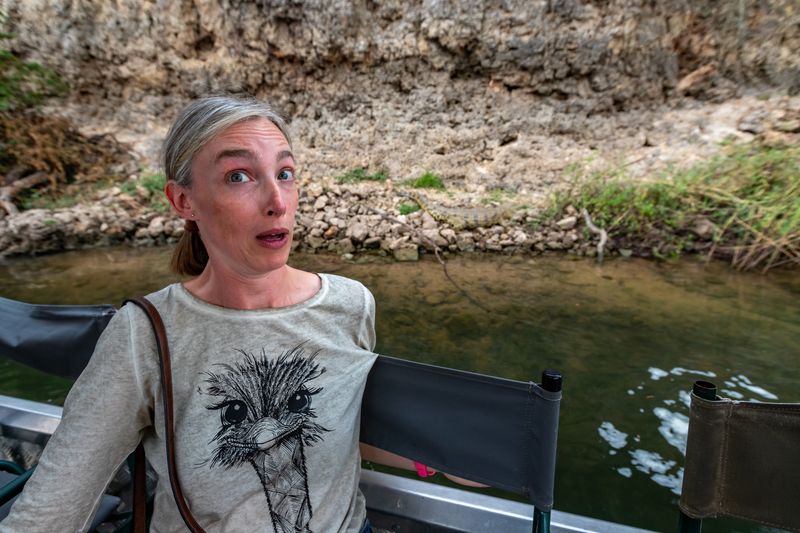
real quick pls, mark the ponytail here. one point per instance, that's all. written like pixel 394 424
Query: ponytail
pixel 190 256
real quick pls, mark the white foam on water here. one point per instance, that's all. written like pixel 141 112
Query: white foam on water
pixel 631 392
pixel 650 462
pixel 614 437
pixel 685 397
pixel 669 481
pixel 658 468
pixel 745 383
pixel 625 471
pixel 732 394
pixel 612 452
pixel 669 402
pixel 674 427
pixel 679 371
pixel 761 392
pixel 657 373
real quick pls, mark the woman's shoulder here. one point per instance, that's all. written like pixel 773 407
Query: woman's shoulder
pixel 163 299
pixel 339 285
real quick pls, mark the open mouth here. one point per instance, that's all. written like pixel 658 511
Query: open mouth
pixel 273 238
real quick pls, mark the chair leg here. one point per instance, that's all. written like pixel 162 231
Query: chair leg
pixel 541 521
pixel 687 524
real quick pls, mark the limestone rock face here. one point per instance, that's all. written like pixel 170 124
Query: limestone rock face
pixel 475 90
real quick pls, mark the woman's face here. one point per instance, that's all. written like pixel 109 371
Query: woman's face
pixel 243 197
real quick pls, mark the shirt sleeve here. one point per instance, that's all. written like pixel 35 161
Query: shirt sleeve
pixel 103 419
pixel 366 337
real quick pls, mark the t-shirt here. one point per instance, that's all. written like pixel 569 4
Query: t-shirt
pixel 266 410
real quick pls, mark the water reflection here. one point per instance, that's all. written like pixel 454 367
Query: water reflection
pixel 630 337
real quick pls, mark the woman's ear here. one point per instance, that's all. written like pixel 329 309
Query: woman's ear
pixel 179 199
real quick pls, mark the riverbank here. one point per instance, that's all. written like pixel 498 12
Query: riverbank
pixel 743 206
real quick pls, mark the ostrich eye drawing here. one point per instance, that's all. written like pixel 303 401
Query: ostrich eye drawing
pixel 234 412
pixel 299 402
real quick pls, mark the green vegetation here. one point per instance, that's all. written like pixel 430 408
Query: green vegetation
pixel 407 208
pixel 41 199
pixel 361 174
pixel 748 199
pixel 152 183
pixel 25 84
pixel 428 180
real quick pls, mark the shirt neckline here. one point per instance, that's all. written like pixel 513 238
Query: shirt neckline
pixel 193 301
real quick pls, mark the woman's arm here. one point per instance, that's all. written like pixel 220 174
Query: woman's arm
pixel 102 422
pixel 377 455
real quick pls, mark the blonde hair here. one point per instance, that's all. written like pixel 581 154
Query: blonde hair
pixel 195 126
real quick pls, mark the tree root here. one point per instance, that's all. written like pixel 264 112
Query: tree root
pixel 8 192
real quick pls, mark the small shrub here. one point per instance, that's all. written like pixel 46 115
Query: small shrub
pixel 408 208
pixel 360 174
pixel 428 180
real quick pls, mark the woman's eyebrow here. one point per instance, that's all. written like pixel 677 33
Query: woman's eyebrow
pixel 284 154
pixel 248 154
pixel 239 152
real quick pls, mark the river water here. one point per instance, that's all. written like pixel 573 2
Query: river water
pixel 629 336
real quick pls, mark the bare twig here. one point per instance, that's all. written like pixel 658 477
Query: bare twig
pixel 436 250
pixel 598 231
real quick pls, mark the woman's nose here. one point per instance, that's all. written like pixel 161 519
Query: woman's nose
pixel 275 203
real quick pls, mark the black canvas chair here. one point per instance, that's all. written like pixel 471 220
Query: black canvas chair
pixel 742 461
pixel 495 431
pixel 56 339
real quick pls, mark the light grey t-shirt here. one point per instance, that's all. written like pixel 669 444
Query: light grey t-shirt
pixel 267 407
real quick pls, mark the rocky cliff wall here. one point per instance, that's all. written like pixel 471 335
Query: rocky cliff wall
pixel 475 90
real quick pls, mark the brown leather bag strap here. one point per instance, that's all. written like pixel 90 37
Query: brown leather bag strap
pixel 166 397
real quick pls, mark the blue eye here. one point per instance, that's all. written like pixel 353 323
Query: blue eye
pixel 286 175
pixel 238 176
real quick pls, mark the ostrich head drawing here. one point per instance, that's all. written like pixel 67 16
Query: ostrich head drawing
pixel 266 420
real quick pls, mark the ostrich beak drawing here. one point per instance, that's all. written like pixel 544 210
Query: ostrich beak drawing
pixel 266 420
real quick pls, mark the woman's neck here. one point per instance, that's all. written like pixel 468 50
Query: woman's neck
pixel 280 288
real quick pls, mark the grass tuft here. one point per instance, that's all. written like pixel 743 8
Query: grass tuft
pixel 428 180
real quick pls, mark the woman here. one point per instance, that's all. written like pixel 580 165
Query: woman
pixel 269 362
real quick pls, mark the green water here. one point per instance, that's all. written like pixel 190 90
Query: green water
pixel 629 337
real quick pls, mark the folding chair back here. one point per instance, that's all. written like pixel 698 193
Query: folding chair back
pixel 495 431
pixel 57 339
pixel 742 461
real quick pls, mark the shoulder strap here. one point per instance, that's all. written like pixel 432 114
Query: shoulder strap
pixel 166 397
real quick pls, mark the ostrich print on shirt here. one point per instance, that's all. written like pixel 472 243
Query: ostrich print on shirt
pixel 266 419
